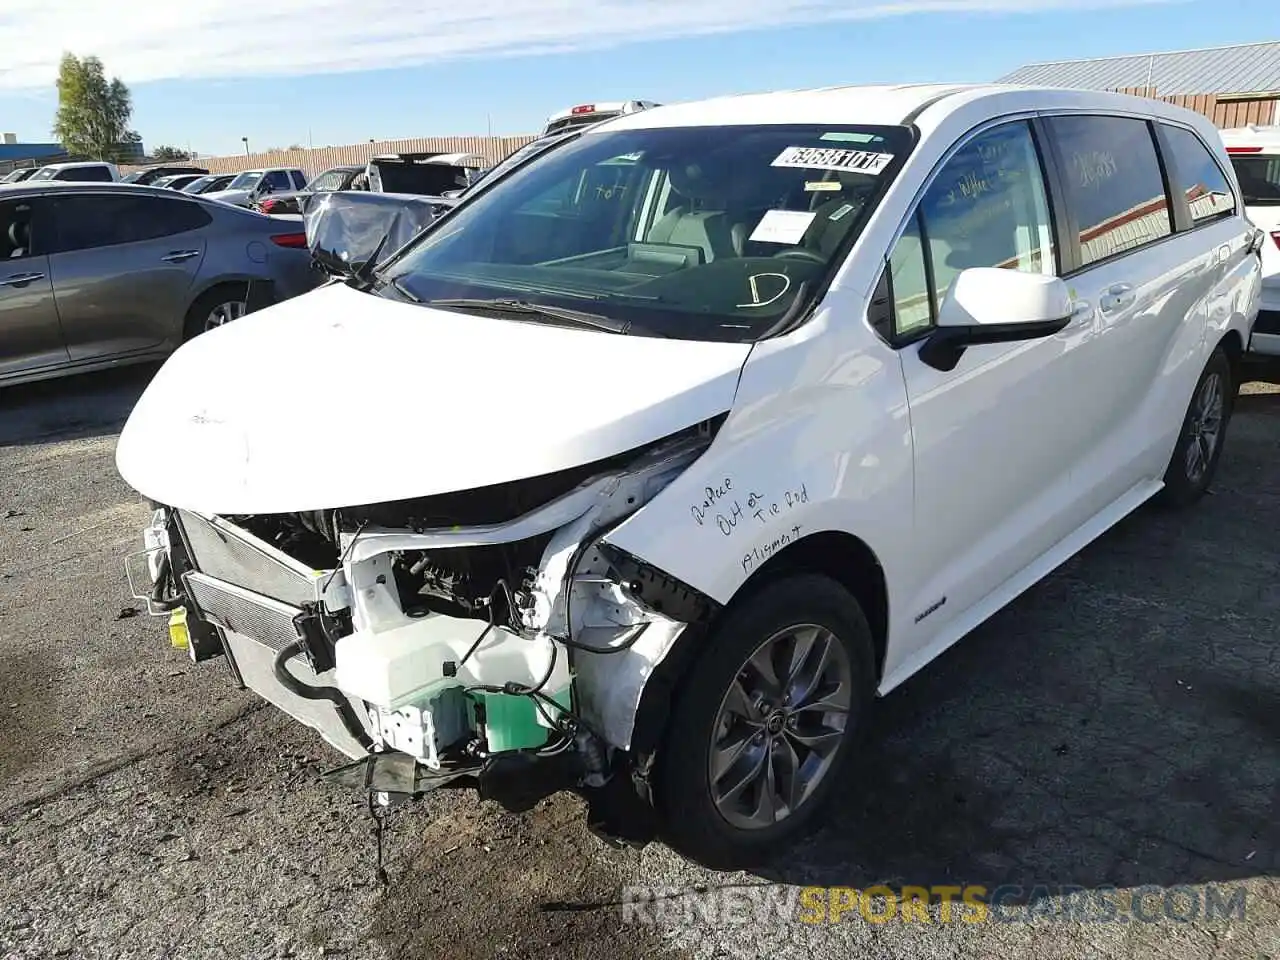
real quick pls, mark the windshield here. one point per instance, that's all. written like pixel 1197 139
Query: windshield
pixel 16 175
pixel 517 157
pixel 198 183
pixel 45 173
pixel 132 177
pixel 329 180
pixel 1259 180
pixel 246 180
pixel 694 233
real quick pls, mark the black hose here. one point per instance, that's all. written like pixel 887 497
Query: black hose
pixel 339 699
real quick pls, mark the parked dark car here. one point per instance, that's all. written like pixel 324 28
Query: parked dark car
pixel 176 181
pixel 209 183
pixel 294 201
pixel 98 275
pixel 152 174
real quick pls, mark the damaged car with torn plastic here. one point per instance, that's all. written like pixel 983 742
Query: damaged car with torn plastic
pixel 643 470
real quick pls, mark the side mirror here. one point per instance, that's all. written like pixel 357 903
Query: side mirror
pixel 994 305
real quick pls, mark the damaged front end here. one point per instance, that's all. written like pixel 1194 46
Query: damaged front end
pixel 485 637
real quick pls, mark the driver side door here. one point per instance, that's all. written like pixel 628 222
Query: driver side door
pixel 995 437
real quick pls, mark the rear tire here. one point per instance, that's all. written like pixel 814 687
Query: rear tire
pixel 227 301
pixel 748 763
pixel 1204 428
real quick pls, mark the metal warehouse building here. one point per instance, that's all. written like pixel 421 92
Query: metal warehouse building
pixel 1233 86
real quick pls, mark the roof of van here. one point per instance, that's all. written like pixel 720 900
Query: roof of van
pixel 887 104
pixel 1252 136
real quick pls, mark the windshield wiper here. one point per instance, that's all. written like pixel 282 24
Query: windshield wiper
pixel 404 291
pixel 511 305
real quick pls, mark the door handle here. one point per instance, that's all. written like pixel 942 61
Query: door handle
pixel 1224 253
pixel 179 255
pixel 1081 310
pixel 18 279
pixel 1118 295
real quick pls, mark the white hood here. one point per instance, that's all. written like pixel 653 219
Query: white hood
pixel 340 398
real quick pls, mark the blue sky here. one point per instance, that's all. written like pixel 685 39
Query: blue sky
pixel 202 83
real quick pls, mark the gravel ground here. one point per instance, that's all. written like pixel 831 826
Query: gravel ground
pixel 1118 726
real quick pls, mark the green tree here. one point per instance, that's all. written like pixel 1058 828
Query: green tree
pixel 93 112
pixel 170 154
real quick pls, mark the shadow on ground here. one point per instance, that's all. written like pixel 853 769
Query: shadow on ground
pixel 1119 725
pixel 87 405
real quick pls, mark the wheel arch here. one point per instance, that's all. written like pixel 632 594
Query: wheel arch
pixel 1232 344
pixel 841 556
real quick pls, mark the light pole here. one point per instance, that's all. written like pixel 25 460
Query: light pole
pixel 246 145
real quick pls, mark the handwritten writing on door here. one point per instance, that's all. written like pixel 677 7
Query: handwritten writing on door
pixel 729 508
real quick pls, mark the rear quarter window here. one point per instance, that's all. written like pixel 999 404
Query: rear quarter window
pixel 1113 182
pixel 1196 173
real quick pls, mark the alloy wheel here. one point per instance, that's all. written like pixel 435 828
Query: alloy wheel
pixel 780 726
pixel 224 313
pixel 1204 427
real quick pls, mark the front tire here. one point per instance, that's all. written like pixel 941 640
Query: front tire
pixel 765 722
pixel 1204 427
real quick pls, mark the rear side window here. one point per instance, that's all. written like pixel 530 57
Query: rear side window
pixel 299 180
pixel 1259 178
pixel 1113 184
pixel 86 222
pixel 86 175
pixel 1198 175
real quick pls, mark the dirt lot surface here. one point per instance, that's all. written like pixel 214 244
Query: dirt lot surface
pixel 1118 726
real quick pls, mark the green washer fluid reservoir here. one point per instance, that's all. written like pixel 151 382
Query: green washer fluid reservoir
pixel 513 723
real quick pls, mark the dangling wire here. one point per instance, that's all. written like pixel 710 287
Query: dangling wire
pixel 379 826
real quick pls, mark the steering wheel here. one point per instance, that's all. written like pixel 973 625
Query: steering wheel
pixel 800 253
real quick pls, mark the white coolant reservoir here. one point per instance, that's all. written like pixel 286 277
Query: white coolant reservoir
pixel 406 664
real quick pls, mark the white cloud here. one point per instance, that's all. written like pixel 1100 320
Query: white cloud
pixel 232 38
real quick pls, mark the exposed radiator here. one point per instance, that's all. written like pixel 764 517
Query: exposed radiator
pixel 252 615
pixel 228 553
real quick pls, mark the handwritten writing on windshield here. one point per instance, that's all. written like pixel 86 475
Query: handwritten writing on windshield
pixel 729 509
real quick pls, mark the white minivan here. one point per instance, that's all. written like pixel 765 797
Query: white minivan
pixel 1255 154
pixel 644 470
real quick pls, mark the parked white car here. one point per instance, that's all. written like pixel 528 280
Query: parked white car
pixel 655 462
pixel 1255 154
pixel 86 171
pixel 250 185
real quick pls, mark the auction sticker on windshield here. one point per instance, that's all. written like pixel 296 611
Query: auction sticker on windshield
pixel 782 226
pixel 833 158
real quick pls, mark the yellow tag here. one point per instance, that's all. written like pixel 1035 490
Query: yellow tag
pixel 178 635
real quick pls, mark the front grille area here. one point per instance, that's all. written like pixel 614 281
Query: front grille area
pixel 228 553
pixel 241 611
